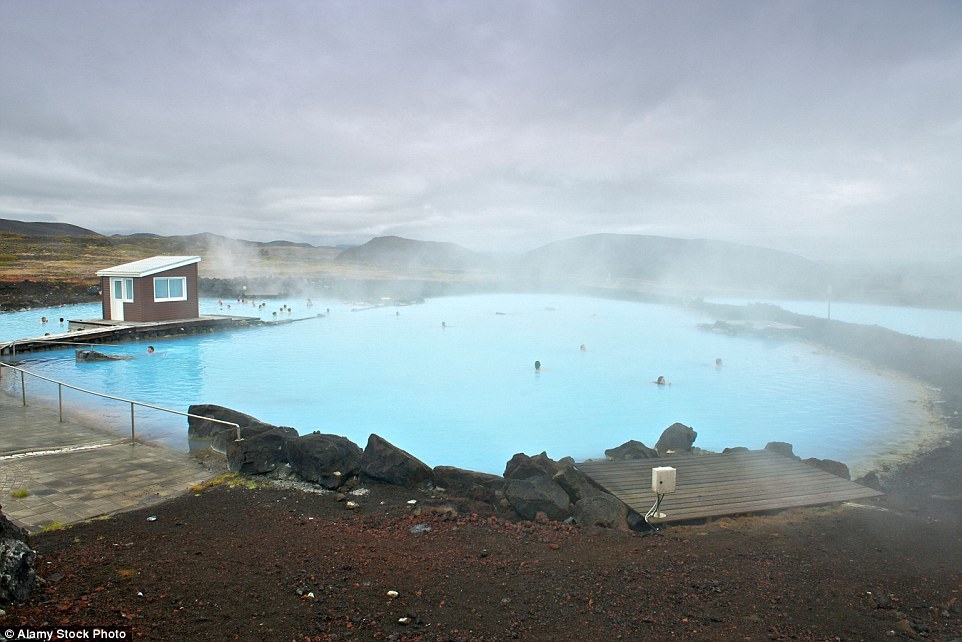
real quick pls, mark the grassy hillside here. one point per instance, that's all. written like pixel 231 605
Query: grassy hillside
pixel 25 228
pixel 79 258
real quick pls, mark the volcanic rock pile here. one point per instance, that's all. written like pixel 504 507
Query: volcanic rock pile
pixel 532 487
pixel 535 487
pixel 17 574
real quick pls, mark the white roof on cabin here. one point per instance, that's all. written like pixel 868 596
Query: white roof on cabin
pixel 146 267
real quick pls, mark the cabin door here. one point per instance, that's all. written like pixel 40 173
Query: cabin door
pixel 119 294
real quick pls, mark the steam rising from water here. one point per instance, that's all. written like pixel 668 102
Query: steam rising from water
pixel 466 394
pixel 226 258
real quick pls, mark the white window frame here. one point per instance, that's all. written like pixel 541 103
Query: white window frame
pixel 126 288
pixel 182 279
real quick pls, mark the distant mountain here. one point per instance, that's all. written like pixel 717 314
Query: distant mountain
pixel 206 239
pixel 650 261
pixel 616 261
pixel 671 261
pixel 286 244
pixel 43 229
pixel 405 254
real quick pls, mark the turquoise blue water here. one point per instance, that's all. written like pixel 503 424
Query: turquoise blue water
pixel 919 322
pixel 29 323
pixel 465 393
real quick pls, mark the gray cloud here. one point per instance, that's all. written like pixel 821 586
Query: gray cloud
pixel 816 127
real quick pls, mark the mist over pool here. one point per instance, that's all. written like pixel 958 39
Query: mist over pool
pixel 920 322
pixel 453 380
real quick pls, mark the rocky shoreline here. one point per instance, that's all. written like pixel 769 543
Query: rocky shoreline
pixel 27 294
pixel 936 363
pixel 531 488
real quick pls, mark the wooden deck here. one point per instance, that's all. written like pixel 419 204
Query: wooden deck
pixel 98 331
pixel 728 484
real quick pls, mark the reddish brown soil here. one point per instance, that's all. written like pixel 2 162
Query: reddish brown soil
pixel 240 564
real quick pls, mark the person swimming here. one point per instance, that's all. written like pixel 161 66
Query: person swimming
pixel 150 349
pixel 661 381
pixel 537 366
pixel 718 362
pixel 584 348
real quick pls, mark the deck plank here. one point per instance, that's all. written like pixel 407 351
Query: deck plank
pixel 715 485
pixel 98 331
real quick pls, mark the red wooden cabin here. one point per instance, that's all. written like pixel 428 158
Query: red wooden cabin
pixel 161 288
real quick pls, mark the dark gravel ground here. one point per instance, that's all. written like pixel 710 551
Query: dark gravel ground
pixel 272 563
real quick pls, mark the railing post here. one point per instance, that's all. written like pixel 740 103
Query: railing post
pixel 133 419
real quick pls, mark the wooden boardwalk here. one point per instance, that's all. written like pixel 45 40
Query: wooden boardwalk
pixel 727 484
pixel 97 331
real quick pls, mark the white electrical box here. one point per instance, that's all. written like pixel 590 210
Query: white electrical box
pixel 663 480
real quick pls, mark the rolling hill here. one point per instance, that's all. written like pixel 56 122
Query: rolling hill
pixel 673 262
pixel 608 259
pixel 617 262
pixel 395 252
pixel 24 228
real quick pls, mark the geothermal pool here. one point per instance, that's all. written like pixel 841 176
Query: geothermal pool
pixel 452 380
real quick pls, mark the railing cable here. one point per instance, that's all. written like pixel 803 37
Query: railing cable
pixel 61 385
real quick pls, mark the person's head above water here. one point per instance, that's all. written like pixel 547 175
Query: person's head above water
pixel 150 349
pixel 537 365
pixel 660 380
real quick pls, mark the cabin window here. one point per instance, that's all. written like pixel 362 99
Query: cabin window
pixel 124 290
pixel 170 288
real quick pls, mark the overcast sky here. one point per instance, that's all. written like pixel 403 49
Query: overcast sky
pixel 821 128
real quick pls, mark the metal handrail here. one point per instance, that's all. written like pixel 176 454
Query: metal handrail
pixel 61 384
